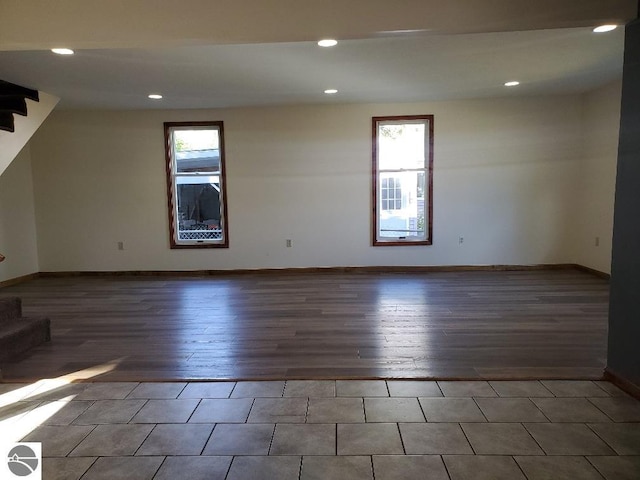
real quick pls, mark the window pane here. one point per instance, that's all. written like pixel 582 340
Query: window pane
pixel 197 150
pixel 197 193
pixel 402 215
pixel 199 208
pixel 402 145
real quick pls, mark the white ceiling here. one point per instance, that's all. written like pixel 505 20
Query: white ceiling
pixel 400 68
pixel 229 53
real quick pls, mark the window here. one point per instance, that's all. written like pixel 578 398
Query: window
pixel 196 184
pixel 402 180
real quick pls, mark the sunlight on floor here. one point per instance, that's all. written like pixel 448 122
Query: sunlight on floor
pixel 18 417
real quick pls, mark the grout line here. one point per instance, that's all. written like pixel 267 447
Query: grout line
pixel 536 405
pixel 92 464
pixel 422 410
pixel 232 389
pixel 404 450
pixel 226 475
pixel 306 412
pixel 253 402
pixel 518 465
pixel 595 467
pixel 386 385
pixel 300 469
pixel 446 469
pixel 364 410
pixel 336 445
pixel 481 411
pixel 601 410
pixel 467 439
pixel 194 410
pixel 605 442
pixel 273 434
pixel 534 438
pixel 373 470
pixel 208 439
pixel 439 388
pixel 145 439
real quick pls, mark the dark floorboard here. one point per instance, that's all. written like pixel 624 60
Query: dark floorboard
pixel 533 324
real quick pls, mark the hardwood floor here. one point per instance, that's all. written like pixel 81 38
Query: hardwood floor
pixel 534 324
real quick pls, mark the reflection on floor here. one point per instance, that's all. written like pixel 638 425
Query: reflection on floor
pixel 345 429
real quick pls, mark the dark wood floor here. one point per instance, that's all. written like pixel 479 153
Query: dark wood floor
pixel 535 324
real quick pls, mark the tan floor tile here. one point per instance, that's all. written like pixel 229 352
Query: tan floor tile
pixel 393 410
pixel 617 467
pixel 222 410
pixel 336 410
pixel 207 390
pixel 65 468
pixel 112 441
pixel 166 411
pixel 571 410
pixel 510 410
pixel 482 467
pixel 343 467
pixel 258 389
pixel 109 412
pixel 285 467
pixel 467 389
pixel 361 388
pixel 434 439
pixel 413 388
pixel 619 409
pixel 567 439
pixel 624 438
pixel 194 468
pixel 176 439
pixel 500 439
pixel 124 468
pixel 557 468
pixel 278 410
pixel 157 390
pixel 519 388
pixel 310 388
pixel 574 388
pixel 304 439
pixel 240 439
pixel 408 467
pixel 58 441
pixel 369 439
pixel 451 410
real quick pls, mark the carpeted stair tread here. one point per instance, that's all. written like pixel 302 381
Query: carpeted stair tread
pixel 10 308
pixel 17 333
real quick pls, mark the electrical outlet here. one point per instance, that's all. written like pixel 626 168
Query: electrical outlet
pixel 597 241
pixel 120 245
pixel 460 240
pixel 289 243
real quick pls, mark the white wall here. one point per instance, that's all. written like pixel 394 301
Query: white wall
pixel 17 219
pixel 598 177
pixel 505 177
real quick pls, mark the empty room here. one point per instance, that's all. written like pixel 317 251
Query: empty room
pixel 351 240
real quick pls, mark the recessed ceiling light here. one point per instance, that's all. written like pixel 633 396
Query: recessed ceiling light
pixel 512 83
pixel 155 96
pixel 331 91
pixel 62 51
pixel 604 28
pixel 328 42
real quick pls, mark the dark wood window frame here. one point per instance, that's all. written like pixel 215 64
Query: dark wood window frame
pixel 375 182
pixel 169 127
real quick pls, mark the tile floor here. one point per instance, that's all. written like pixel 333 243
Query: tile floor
pixel 329 430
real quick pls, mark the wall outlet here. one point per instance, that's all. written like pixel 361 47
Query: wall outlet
pixel 120 245
pixel 289 242
pixel 460 240
pixel 597 242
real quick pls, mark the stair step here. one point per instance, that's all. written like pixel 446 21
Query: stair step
pixel 7 88
pixel 14 104
pixel 10 309
pixel 18 336
pixel 6 122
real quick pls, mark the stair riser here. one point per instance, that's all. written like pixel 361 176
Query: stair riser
pixel 10 309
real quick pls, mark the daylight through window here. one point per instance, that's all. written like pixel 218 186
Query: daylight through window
pixel 196 184
pixel 402 179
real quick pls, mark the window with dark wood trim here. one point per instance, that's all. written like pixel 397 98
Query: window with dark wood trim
pixel 196 185
pixel 402 180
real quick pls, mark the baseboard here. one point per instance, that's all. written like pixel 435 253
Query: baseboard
pixel 593 271
pixel 621 382
pixel 307 270
pixel 15 281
